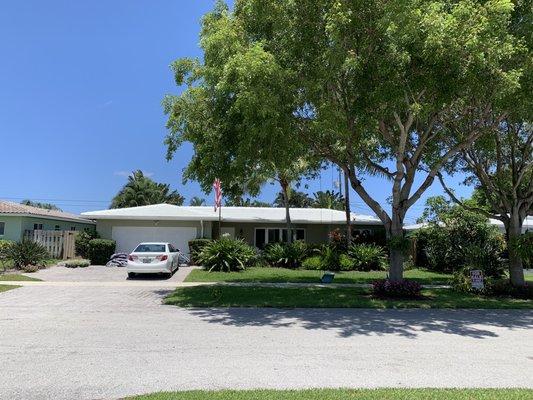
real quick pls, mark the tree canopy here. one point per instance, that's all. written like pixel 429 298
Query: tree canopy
pixel 142 191
pixel 369 86
pixel 46 206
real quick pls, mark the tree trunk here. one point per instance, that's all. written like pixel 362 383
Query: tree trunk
pixel 516 269
pixel 285 191
pixel 397 256
pixel 348 211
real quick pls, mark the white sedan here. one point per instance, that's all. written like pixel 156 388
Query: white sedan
pixel 153 258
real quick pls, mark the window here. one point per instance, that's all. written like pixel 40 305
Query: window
pixel 172 249
pixel 150 248
pixel 263 236
pixel 37 227
pixel 72 228
pixel 57 228
pixel 2 228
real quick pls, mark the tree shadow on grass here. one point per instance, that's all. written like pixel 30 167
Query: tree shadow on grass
pixel 348 322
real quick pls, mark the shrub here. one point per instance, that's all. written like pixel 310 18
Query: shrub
pixel 326 258
pixel 5 246
pixel 314 262
pixel 76 263
pixel 286 255
pixel 28 253
pixel 30 268
pixel 81 243
pixel 367 257
pixel 405 289
pixel 227 255
pixel 195 247
pixel 502 287
pixel 330 258
pixel 100 250
pixel 463 238
pixel 523 245
pixel 346 263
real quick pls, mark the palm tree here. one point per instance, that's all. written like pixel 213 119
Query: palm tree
pixel 328 199
pixel 197 201
pixel 141 191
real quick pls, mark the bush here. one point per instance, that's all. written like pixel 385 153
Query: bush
pixel 492 286
pixel 314 262
pixel 81 243
pixel 101 250
pixel 5 246
pixel 367 257
pixel 463 239
pixel 346 263
pixel 195 247
pixel 523 245
pixel 399 290
pixel 227 255
pixel 28 255
pixel 76 263
pixel 286 255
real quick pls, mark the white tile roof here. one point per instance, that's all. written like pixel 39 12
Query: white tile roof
pixel 231 214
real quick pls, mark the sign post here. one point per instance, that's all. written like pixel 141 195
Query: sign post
pixel 476 278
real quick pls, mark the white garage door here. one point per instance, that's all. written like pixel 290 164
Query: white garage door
pixel 128 237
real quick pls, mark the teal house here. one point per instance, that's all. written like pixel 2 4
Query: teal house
pixel 16 219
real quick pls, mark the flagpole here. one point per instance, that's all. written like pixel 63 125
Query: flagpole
pixel 220 221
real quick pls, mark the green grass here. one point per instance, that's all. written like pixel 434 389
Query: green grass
pixel 5 288
pixel 346 394
pixel 16 277
pixel 327 297
pixel 277 275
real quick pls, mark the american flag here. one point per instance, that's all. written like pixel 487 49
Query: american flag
pixel 218 193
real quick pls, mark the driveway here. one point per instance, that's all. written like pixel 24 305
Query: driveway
pixel 103 274
pixel 96 342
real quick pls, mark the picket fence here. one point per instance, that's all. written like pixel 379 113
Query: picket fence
pixel 60 244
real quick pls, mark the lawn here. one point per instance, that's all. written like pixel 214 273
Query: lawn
pixel 346 394
pixel 259 274
pixel 16 277
pixel 5 288
pixel 327 297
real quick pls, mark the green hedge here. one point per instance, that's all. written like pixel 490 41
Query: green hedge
pixel 195 247
pixel 100 250
pixel 77 263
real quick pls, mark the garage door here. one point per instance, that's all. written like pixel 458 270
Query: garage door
pixel 128 237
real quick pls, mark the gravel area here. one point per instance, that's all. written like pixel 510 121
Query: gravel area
pixel 95 342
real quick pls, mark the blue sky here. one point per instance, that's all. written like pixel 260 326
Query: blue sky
pixel 81 85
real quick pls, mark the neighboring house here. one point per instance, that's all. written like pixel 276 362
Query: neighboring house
pixel 256 225
pixel 526 226
pixel 15 219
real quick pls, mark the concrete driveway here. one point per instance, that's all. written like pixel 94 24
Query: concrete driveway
pixel 96 342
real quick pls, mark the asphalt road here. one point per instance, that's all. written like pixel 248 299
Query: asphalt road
pixel 95 342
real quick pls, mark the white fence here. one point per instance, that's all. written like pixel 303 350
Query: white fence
pixel 60 244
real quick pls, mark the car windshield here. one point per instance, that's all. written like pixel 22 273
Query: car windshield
pixel 150 248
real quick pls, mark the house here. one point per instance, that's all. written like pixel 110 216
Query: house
pixel 16 219
pixel 256 225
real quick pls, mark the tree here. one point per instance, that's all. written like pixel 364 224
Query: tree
pixel 435 207
pixel 197 201
pixel 369 87
pixel 500 164
pixel 328 199
pixel 297 199
pixel 46 206
pixel 246 203
pixel 501 167
pixel 142 191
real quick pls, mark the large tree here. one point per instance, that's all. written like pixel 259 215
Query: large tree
pixel 368 86
pixel 142 191
pixel 46 206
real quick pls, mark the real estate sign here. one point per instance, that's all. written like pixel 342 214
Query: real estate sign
pixel 476 278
